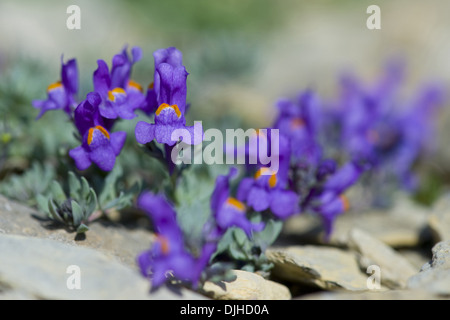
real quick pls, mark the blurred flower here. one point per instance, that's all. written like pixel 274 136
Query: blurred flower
pixel 61 94
pixel 385 133
pixel 120 95
pixel 300 122
pixel 329 200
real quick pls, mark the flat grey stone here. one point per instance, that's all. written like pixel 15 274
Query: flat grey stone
pixel 439 220
pixel 373 295
pixel 247 286
pixel 40 269
pixel 434 276
pixel 322 267
pixel 404 225
pixel 395 269
pixel 109 238
pixel 417 257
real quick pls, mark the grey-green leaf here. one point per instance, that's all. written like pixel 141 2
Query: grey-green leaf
pixel 74 185
pixel 82 228
pixel 240 236
pixel 270 233
pixel 77 213
pixel 42 203
pixel 57 192
pixel 84 188
pixel 53 212
pixel 91 203
pixel 109 188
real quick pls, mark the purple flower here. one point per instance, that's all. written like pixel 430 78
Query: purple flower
pixel 98 146
pixel 150 104
pixel 87 114
pixel 61 94
pixel 300 123
pixel 168 253
pixel 325 168
pixel 228 211
pixel 120 95
pixel 168 118
pixel 122 65
pixel 168 98
pixel 387 134
pixel 329 200
pixel 268 189
pixel 168 64
pixel 264 147
pixel 170 78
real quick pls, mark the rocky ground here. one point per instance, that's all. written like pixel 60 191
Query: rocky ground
pixel 407 249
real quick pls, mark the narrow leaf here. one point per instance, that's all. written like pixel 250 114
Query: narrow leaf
pixel 57 192
pixel 77 213
pixel 84 188
pixel 42 203
pixel 74 185
pixel 82 228
pixel 53 212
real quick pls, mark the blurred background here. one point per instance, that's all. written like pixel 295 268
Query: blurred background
pixel 242 55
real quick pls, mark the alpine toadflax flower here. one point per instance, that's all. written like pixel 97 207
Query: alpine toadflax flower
pixel 61 94
pixel 168 252
pixel 270 190
pixel 99 145
pixel 387 134
pixel 120 95
pixel 169 94
pixel 228 211
pixel 299 122
pixel 329 200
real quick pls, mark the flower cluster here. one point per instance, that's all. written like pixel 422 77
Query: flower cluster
pixel 61 95
pixel 169 254
pixel 376 136
pixel 373 135
pixel 166 97
pixel 117 96
pixel 376 126
pixel 306 181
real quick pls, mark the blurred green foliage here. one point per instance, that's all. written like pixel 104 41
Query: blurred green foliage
pixel 205 16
